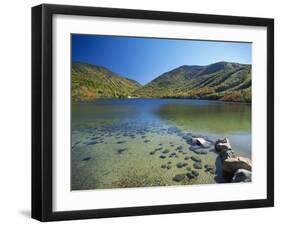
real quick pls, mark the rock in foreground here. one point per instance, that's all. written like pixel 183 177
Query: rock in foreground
pixel 222 144
pixel 231 165
pixel 242 175
pixel 225 154
pixel 234 168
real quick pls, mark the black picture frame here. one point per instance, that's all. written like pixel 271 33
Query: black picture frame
pixel 42 107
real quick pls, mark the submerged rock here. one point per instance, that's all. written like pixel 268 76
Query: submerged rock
pixel 179 177
pixel 121 150
pixel 92 143
pixel 166 151
pixel 190 176
pixel 196 158
pixel 179 165
pixel 163 166
pixel 146 141
pixel 86 159
pixel 209 168
pixel 162 156
pixel 169 167
pixel 173 130
pixel 187 137
pixel 194 147
pixel 186 158
pixel 158 149
pixel 121 142
pixel 179 148
pixel 201 152
pixel 197 165
pixel 195 173
pixel 204 152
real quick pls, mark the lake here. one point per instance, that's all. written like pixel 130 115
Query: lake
pixel 119 143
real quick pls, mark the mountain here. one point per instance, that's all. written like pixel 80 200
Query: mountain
pixel 90 82
pixel 219 81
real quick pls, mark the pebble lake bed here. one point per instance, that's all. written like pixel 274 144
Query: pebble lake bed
pixel 148 142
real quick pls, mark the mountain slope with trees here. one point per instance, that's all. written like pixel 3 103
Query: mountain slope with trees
pixel 90 82
pixel 219 81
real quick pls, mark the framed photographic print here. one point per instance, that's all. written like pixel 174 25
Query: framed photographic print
pixel 145 112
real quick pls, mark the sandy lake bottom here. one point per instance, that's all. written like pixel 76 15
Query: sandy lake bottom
pixel 144 142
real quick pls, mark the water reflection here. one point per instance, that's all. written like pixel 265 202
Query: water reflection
pixel 215 117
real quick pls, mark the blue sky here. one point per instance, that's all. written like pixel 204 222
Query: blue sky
pixel 144 59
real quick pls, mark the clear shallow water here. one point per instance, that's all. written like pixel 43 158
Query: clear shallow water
pixel 117 143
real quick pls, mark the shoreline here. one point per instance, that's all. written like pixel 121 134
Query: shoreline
pixel 163 98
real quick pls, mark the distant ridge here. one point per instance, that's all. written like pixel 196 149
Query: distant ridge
pixel 219 81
